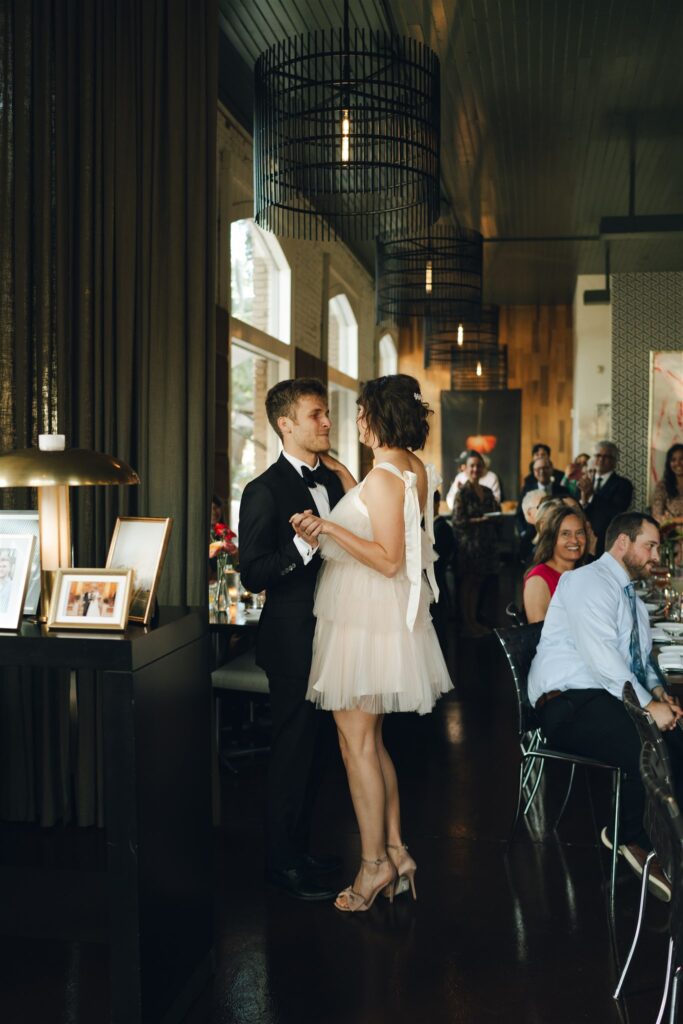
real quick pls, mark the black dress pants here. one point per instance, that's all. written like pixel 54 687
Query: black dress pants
pixel 294 771
pixel 593 723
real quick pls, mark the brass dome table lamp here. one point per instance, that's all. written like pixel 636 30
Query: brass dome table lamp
pixel 52 469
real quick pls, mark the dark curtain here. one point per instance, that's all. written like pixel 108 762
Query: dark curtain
pixel 107 249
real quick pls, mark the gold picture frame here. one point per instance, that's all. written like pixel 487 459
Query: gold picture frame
pixel 90 599
pixel 16 556
pixel 140 544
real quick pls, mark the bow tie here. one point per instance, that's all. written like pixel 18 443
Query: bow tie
pixel 314 476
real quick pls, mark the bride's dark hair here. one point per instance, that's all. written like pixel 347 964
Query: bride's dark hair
pixel 394 411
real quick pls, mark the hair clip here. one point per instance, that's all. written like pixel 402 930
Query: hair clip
pixel 417 396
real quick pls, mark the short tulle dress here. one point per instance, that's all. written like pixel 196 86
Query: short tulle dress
pixel 375 647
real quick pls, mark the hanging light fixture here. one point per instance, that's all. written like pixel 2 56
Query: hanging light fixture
pixel 437 273
pixel 479 371
pixel 444 335
pixel 346 135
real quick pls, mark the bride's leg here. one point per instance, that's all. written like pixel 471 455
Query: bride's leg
pixel 358 744
pixel 392 805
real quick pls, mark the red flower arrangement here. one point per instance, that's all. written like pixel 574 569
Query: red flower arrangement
pixel 221 541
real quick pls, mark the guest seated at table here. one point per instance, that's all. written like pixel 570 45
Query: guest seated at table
pixel 476 555
pixel 561 546
pixel 539 451
pixel 668 497
pixel 596 636
pixel 543 481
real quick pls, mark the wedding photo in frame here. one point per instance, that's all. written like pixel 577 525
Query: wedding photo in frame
pixel 90 599
pixel 140 545
pixel 16 553
pixel 12 522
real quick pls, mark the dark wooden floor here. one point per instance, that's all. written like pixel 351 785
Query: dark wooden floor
pixel 496 935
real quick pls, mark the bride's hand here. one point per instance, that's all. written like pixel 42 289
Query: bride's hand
pixel 346 477
pixel 308 526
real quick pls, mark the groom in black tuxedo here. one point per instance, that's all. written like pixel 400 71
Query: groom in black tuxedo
pixel 273 559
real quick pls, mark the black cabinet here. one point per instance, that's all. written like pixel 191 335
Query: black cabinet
pixel 156 891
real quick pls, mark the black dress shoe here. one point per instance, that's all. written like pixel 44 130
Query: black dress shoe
pixel 298 883
pixel 322 865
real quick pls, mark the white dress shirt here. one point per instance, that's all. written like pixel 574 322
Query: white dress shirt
pixel 586 635
pixel 488 480
pixel 321 502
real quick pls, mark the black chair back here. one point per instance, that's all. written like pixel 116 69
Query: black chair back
pixel 649 732
pixel 519 644
pixel 667 838
pixel 516 614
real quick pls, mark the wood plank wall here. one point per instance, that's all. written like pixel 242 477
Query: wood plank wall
pixel 540 362
pixel 540 341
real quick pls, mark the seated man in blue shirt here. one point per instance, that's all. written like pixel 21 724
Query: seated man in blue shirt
pixel 595 637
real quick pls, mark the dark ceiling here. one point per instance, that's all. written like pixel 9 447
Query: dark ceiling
pixel 544 103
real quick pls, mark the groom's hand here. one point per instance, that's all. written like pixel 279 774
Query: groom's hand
pixel 307 526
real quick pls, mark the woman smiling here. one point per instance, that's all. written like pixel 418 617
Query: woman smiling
pixel 561 547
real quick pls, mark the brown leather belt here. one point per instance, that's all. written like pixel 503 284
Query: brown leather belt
pixel 545 697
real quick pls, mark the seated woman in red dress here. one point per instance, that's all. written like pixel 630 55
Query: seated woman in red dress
pixel 561 546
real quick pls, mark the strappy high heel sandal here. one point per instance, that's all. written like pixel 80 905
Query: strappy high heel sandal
pixel 355 902
pixel 406 868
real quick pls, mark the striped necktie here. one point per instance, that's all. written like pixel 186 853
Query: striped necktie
pixel 637 666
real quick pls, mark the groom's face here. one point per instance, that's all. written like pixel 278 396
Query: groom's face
pixel 307 430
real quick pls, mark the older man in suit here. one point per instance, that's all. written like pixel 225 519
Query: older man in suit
pixel 273 559
pixel 604 494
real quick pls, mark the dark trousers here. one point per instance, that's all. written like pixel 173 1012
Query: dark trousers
pixel 294 771
pixel 593 723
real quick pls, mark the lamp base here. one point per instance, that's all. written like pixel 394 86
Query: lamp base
pixel 55 539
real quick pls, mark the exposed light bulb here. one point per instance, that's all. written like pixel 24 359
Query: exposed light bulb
pixel 428 277
pixel 478 369
pixel 460 334
pixel 345 133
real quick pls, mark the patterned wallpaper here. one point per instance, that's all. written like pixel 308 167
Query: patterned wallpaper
pixel 647 315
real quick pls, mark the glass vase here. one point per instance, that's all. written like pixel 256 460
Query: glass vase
pixel 223 574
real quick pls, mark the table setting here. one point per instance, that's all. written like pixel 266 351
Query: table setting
pixel 662 596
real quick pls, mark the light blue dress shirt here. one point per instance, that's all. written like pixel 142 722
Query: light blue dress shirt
pixel 587 632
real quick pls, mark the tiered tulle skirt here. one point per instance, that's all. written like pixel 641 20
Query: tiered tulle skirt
pixel 364 655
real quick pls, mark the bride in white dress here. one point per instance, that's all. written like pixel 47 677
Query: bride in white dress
pixel 375 649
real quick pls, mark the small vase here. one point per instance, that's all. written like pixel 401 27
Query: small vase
pixel 223 566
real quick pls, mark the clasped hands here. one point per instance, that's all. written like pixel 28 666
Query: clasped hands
pixel 665 709
pixel 308 526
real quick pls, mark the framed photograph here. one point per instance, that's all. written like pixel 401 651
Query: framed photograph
pixel 666 423
pixel 140 545
pixel 15 522
pixel 90 599
pixel 16 554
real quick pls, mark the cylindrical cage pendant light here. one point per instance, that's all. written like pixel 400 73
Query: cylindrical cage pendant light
pixel 446 336
pixel 346 135
pixel 435 274
pixel 480 371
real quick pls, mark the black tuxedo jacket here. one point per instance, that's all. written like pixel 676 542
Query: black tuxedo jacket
pixel 614 497
pixel 270 561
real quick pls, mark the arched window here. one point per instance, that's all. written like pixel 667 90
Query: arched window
pixel 260 280
pixel 388 356
pixel 343 336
